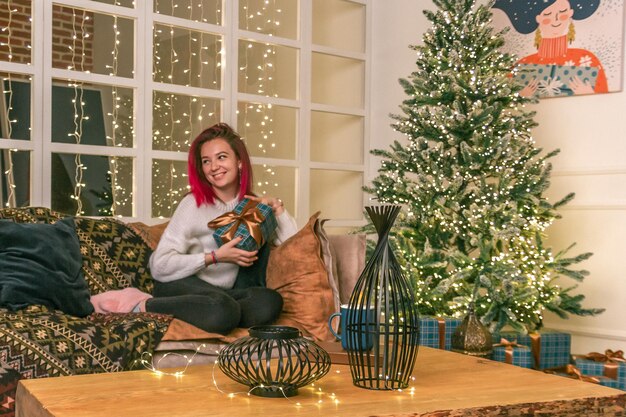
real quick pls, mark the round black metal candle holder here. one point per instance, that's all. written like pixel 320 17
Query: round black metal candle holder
pixel 274 361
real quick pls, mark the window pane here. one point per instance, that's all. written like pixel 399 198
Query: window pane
pixel 269 131
pixel 276 181
pixel 16 35
pixel 336 138
pixel 187 57
pixel 337 194
pixel 270 17
pixel 92 185
pixel 77 32
pixel 177 119
pixel 207 11
pixel 262 65
pixel 15 118
pixel 92 114
pixel 337 81
pixel 124 3
pixel 14 178
pixel 169 185
pixel 339 24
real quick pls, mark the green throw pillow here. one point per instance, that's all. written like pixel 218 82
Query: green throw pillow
pixel 41 264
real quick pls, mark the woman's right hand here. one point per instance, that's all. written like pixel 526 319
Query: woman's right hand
pixel 229 253
pixel 579 86
pixel 530 89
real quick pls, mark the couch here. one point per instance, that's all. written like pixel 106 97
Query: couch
pixel 314 273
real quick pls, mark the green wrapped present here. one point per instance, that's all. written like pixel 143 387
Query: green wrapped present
pixel 436 332
pixel 512 353
pixel 609 368
pixel 254 222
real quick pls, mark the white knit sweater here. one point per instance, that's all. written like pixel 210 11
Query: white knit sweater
pixel 187 238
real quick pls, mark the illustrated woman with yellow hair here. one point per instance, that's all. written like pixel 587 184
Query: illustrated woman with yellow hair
pixel 556 69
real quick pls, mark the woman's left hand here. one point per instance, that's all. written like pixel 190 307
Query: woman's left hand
pixel 275 203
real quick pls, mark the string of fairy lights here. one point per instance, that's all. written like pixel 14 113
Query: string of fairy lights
pixel 7 107
pixel 176 118
pixel 258 118
pixel 114 116
pixel 78 104
pixel 320 396
pixel 179 118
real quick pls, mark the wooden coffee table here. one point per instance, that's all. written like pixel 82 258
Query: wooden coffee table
pixel 444 381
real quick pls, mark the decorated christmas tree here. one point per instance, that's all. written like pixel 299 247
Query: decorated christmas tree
pixel 471 182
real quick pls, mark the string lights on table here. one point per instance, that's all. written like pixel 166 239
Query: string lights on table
pixel 315 394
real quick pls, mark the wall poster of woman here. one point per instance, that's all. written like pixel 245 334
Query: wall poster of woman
pixel 565 47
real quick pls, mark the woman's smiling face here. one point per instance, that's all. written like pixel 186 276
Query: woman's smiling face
pixel 221 168
pixel 554 20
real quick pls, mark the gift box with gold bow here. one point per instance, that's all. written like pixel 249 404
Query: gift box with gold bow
pixel 609 368
pixel 550 348
pixel 254 222
pixel 512 353
pixel 436 332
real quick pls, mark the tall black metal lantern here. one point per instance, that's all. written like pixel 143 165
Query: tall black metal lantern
pixel 274 361
pixel 382 327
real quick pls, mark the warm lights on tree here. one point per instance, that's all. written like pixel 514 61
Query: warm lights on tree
pixel 472 181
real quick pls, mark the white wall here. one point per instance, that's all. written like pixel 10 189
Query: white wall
pixel 591 133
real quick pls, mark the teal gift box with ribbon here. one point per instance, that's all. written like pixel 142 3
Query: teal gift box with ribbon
pixel 512 353
pixel 608 368
pixel 436 332
pixel 254 222
pixel 550 348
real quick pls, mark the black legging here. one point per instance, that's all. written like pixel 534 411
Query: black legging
pixel 218 310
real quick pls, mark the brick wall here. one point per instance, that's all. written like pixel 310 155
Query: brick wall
pixel 65 23
pixel 15 42
pixel 67 51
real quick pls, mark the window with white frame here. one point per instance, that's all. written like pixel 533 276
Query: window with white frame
pixel 102 99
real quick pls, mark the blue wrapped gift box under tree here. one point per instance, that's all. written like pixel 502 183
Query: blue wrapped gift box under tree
pixel 436 332
pixel 550 349
pixel 512 353
pixel 254 222
pixel 609 369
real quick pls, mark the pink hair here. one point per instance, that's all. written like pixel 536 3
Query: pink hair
pixel 200 187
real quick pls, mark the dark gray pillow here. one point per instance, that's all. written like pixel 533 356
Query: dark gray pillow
pixel 42 264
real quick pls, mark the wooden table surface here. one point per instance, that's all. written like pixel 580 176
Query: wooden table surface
pixel 443 381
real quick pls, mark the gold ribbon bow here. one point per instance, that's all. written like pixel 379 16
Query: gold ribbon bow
pixel 610 358
pixel 508 349
pixel 573 372
pixel 250 216
pixel 615 356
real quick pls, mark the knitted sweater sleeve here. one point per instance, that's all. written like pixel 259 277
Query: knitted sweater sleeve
pixel 175 257
pixel 286 228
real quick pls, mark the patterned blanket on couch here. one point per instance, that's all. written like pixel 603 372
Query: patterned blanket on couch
pixel 37 342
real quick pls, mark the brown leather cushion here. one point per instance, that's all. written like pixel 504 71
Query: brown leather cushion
pixel 296 270
pixel 180 330
pixel 150 234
